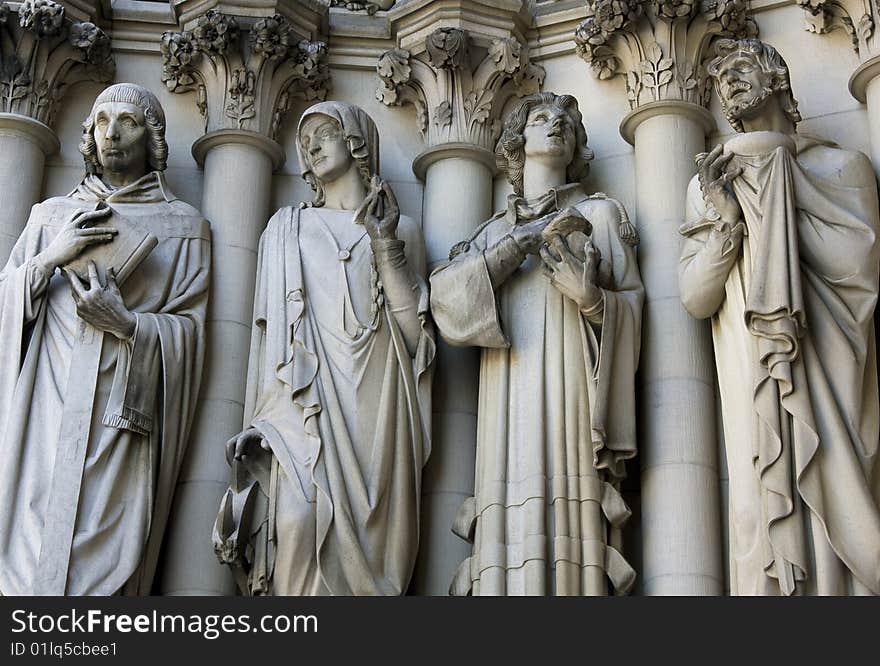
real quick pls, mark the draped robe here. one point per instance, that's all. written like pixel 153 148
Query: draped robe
pixel 556 415
pixel 95 527
pixel 344 407
pixel 792 322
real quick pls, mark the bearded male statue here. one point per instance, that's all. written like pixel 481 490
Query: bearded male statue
pixel 780 251
pixel 550 289
pixel 102 309
pixel 326 481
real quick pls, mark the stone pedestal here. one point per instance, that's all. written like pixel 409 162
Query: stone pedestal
pixel 681 517
pixel 458 197
pixel 25 144
pixel 236 199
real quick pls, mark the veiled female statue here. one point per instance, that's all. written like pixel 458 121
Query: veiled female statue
pixel 327 472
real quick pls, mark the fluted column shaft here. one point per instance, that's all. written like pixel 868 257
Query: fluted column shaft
pixel 236 199
pixel 681 517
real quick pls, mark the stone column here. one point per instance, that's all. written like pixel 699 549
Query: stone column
pixel 681 530
pixel 458 107
pixel 660 52
pixel 859 19
pixel 244 84
pixel 25 144
pixel 46 53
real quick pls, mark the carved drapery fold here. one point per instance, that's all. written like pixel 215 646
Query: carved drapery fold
pixel 43 53
pixel 659 45
pixel 454 101
pixel 244 79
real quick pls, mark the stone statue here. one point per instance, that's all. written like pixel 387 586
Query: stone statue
pixel 99 363
pixel 551 290
pixel 368 6
pixel 780 251
pixel 327 472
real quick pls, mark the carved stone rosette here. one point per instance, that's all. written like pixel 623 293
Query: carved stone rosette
pixel 43 53
pixel 659 45
pixel 244 80
pixel 857 17
pixel 456 103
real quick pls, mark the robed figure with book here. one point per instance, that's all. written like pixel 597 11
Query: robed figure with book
pixel 102 310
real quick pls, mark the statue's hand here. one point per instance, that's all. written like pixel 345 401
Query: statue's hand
pixel 75 236
pixel 244 443
pixel 574 278
pixel 379 212
pixel 715 175
pixel 101 306
pixel 528 236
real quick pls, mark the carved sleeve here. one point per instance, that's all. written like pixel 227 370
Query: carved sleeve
pixel 502 259
pixel 463 301
pixel 405 291
pixel 35 274
pixel 709 250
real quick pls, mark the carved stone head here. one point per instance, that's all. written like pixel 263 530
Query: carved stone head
pixel 749 74
pixel 126 103
pixel 546 127
pixel 329 136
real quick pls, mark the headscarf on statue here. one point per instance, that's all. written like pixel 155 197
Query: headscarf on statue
pixel 359 130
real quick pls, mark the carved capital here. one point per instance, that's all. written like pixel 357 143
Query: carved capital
pixel 244 79
pixel 660 46
pixel 43 53
pixel 455 102
pixel 858 18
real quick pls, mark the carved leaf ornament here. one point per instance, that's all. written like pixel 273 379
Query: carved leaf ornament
pixel 455 101
pixel 858 18
pixel 220 64
pixel 42 53
pixel 659 45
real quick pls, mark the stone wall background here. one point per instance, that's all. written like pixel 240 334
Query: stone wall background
pixel 820 69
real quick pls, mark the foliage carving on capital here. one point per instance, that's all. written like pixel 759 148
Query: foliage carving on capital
pixel 43 53
pixel 244 80
pixel 858 18
pixel 659 46
pixel 454 101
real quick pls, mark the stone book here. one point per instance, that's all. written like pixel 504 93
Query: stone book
pixel 131 245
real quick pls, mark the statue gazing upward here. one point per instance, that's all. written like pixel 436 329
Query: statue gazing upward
pixel 550 289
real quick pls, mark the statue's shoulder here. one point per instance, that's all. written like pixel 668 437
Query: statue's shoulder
pixel 600 209
pixel 179 220
pixel 609 214
pixel 850 168
pixel 281 219
pixel 61 205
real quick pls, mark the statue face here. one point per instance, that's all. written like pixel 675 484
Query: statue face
pixel 743 85
pixel 326 147
pixel 549 135
pixel 121 137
